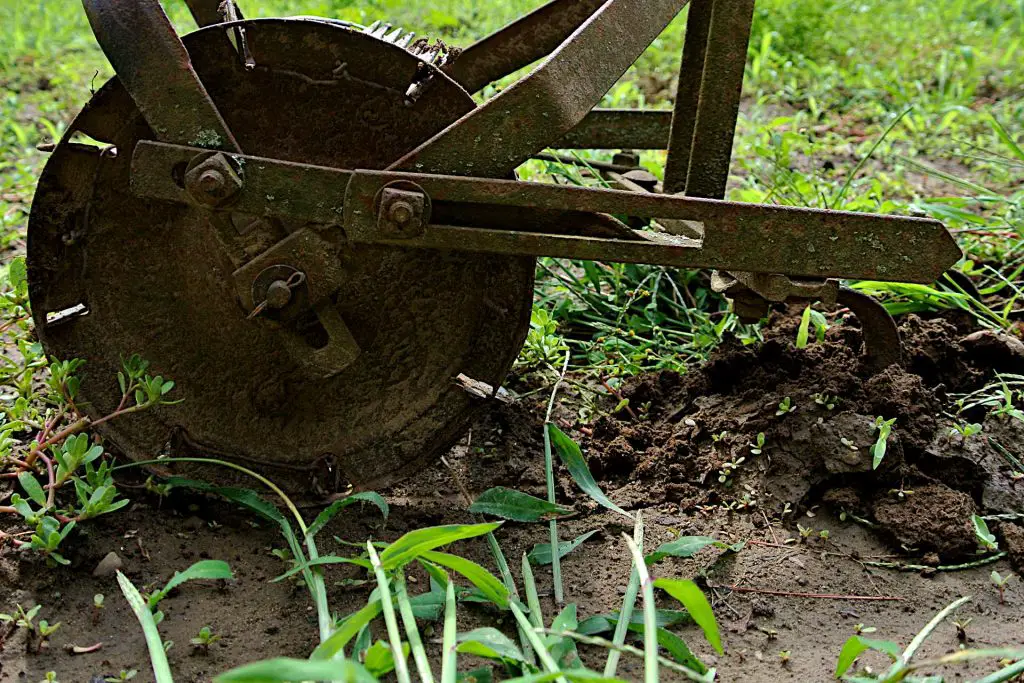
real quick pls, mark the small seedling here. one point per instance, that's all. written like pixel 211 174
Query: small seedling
pixel 824 535
pixel 805 532
pixel 1000 582
pixel 961 624
pixel 757 447
pixel 123 675
pixel 97 607
pixel 785 407
pixel 965 430
pixel 861 629
pixel 204 640
pixel 784 657
pixel 986 539
pixel 727 470
pixel 37 633
pixel 825 401
pixel 849 444
pixel 717 438
pixel 51 677
pixel 878 450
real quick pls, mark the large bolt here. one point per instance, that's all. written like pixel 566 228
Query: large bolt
pixel 213 182
pixel 401 213
pixel 279 294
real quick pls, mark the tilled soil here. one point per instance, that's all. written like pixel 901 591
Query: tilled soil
pixel 784 592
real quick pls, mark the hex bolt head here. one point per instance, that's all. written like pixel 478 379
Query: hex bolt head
pixel 401 213
pixel 213 182
pixel 279 294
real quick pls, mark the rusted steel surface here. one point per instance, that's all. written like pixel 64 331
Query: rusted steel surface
pixel 721 87
pixel 737 236
pixel 156 280
pixel 620 129
pixel 536 112
pixel 691 72
pixel 155 68
pixel 521 43
pixel 882 346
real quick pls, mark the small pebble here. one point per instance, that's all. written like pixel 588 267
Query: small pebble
pixel 108 565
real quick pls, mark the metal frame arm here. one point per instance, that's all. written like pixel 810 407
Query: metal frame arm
pixel 510 217
pixel 493 140
pixel 154 66
pixel 521 43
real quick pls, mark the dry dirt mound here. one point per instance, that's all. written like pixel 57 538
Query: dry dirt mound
pixel 697 441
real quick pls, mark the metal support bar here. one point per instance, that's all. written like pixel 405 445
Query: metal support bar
pixel 691 73
pixel 739 237
pixel 521 43
pixel 153 65
pixel 494 139
pixel 720 91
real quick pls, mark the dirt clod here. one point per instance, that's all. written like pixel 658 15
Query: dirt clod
pixel 933 518
pixel 1013 536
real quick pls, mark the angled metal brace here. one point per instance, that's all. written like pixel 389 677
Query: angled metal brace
pixel 154 66
pixel 520 44
pixel 493 140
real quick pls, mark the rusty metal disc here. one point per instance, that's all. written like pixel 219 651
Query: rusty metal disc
pixel 153 279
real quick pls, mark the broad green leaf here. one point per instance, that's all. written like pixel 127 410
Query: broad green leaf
pixel 985 537
pixel 692 598
pixel 541 553
pixel 347 631
pixel 245 497
pixel 204 569
pixel 379 660
pixel 337 506
pixel 415 543
pixel 489 643
pixel 285 670
pixel 32 488
pixel 488 584
pixel 18 272
pixel 157 654
pixel 855 646
pixel 515 505
pixel 682 547
pixel 572 457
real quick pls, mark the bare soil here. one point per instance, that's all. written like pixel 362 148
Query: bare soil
pixel 815 471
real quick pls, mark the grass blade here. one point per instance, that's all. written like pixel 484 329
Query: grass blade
pixel 1007 673
pixel 287 670
pixel 549 477
pixel 532 600
pixel 538 645
pixel 415 543
pixel 401 668
pixel 571 455
pixel 449 655
pixel 157 654
pixel 692 598
pixel 477 575
pixel 510 584
pixel 541 553
pixel 628 602
pixel 650 614
pixel 412 632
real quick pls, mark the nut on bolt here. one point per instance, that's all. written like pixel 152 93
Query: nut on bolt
pixel 402 213
pixel 213 182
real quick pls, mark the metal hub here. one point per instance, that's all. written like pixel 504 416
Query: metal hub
pixel 156 279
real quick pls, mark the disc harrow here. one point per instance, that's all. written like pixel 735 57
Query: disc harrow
pixel 319 234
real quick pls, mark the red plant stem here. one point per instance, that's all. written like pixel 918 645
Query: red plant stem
pixel 819 596
pixel 52 485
